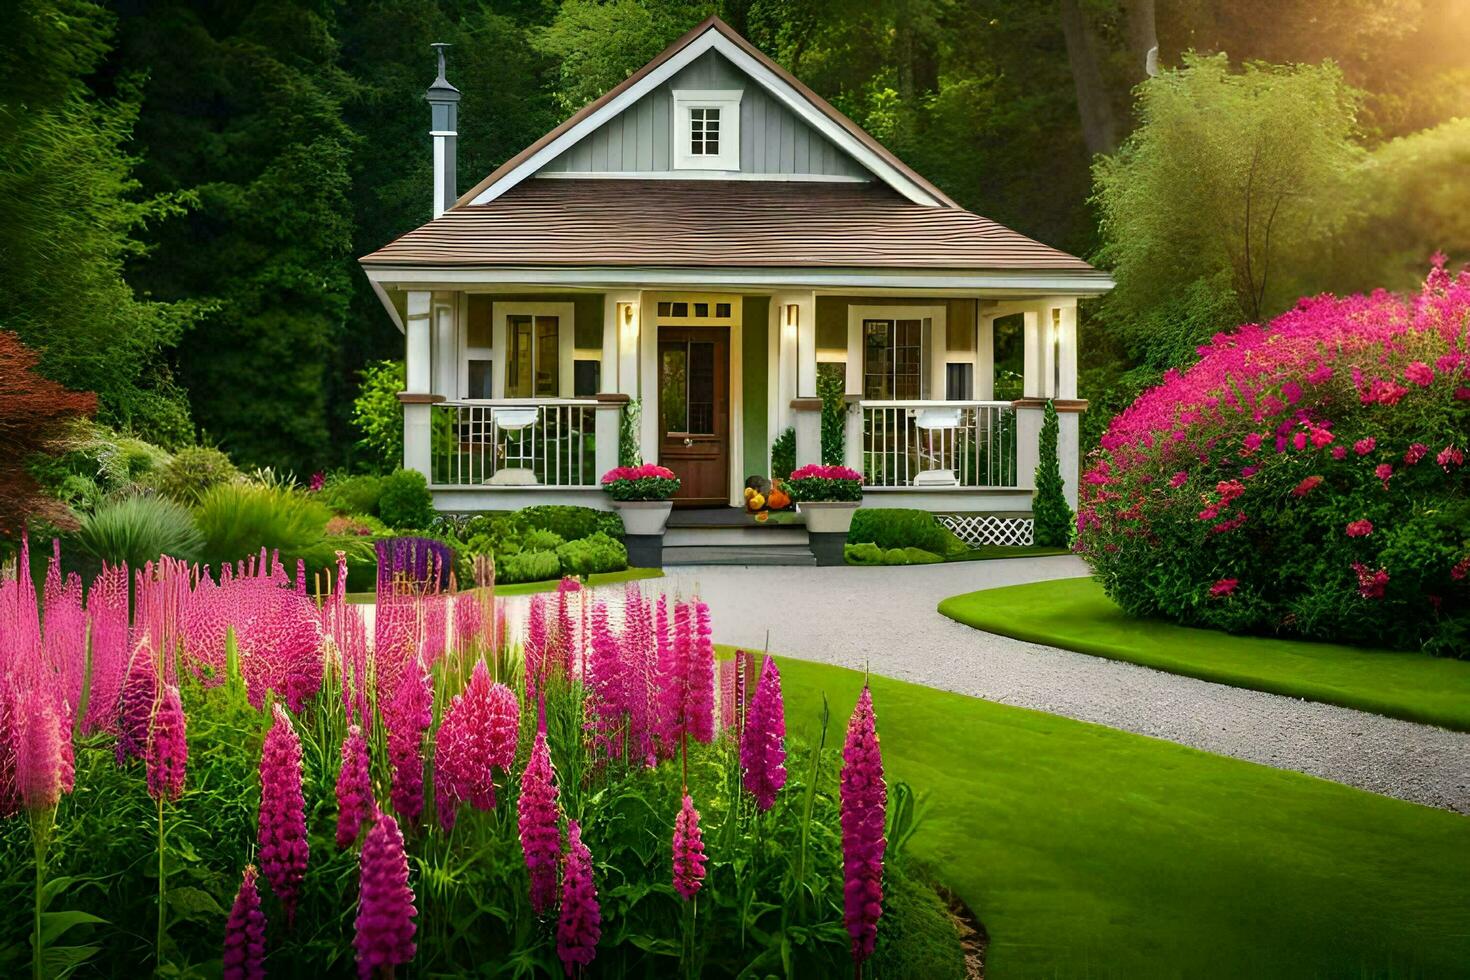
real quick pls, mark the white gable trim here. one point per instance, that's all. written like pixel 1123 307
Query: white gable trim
pixel 698 175
pixel 712 39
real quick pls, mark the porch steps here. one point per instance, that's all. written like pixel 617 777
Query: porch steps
pixel 729 536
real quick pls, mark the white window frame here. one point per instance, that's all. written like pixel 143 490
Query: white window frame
pixel 934 341
pixel 499 313
pixel 728 102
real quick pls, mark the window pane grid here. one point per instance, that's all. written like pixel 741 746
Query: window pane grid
pixel 704 132
pixel 892 359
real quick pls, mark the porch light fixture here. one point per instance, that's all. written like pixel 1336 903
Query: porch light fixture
pixel 627 316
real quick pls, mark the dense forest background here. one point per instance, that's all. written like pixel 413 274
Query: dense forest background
pixel 185 187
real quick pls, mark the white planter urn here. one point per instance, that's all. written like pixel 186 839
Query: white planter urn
pixel 828 516
pixel 644 516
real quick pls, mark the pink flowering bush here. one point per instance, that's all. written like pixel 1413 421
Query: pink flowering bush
pixel 647 482
pixel 1306 477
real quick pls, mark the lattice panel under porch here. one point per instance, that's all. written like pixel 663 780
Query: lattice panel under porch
pixel 976 531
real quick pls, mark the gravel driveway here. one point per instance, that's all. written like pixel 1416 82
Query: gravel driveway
pixel 885 620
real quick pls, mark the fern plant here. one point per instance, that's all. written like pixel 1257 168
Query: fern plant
pixel 1052 517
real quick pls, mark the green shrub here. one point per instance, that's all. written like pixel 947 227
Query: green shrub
pixel 528 566
pixel 378 415
pixel 352 494
pixel 899 527
pixel 628 419
pixel 917 938
pixel 238 519
pixel 405 502
pixel 783 454
pixel 597 553
pixel 831 389
pixel 865 553
pixel 139 529
pixel 572 522
pixel 540 539
pixel 1049 510
pixel 193 471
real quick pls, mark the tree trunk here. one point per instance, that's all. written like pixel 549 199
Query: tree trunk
pixel 1099 129
pixel 1143 39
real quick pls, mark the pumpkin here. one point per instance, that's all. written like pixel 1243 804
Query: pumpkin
pixel 755 501
pixel 778 499
pixel 749 492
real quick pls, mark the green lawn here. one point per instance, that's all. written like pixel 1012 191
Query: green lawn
pixel 529 588
pixel 1092 852
pixel 991 551
pixel 1076 615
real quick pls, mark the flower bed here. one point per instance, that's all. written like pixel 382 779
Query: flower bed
pixel 647 482
pixel 815 483
pixel 1306 477
pixel 594 790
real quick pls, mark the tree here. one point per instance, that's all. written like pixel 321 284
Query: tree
pixel 1052 518
pixel 34 412
pixel 71 217
pixel 1212 207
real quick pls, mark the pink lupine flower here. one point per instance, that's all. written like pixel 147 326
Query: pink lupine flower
pixel 1384 472
pixel 408 718
pixel 1223 587
pixel 607 677
pixel 244 957
pixel 139 694
pixel 537 647
pixel 579 927
pixel 1449 456
pixel 10 733
pixel 503 725
pixel 1306 486
pixel 466 749
pixel 537 818
pixel 107 613
pixel 385 910
pixel 1415 452
pixel 1359 528
pixel 355 803
pixel 763 745
pixel 689 857
pixel 168 750
pixel 41 768
pixel 1420 374
pixel 283 844
pixel 864 809
pixel 1365 445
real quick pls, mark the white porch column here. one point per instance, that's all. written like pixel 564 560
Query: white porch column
pixel 609 414
pixel 985 358
pixel 417 397
pixel 1069 409
pixel 794 316
pixel 1029 409
pixel 445 346
pixel 785 314
pixel 852 443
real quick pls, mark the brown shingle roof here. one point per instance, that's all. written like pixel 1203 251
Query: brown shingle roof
pixel 743 223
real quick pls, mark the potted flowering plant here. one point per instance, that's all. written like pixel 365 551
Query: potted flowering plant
pixel 826 496
pixel 641 495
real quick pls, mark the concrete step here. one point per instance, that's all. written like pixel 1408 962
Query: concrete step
pixel 716 536
pixel 780 554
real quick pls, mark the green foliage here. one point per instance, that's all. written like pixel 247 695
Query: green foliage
pixel 527 566
pixel 540 539
pixel 900 527
pixel 572 522
pixel 378 415
pixel 783 454
pixel 1049 510
pixel 628 437
pixel 1209 207
pixel 831 388
pixel 138 530
pixel 352 494
pixel 597 553
pixel 191 472
pixel 405 501
pixel 868 553
pixel 239 519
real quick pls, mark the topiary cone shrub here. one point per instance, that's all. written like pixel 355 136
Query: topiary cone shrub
pixel 1306 477
pixel 1049 511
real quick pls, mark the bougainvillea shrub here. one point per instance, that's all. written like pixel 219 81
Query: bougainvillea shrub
pixel 1307 477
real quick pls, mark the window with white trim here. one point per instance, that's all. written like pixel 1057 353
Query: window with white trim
pixel 707 130
pixel 893 358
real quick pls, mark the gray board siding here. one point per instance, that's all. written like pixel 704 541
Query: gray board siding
pixel 772 139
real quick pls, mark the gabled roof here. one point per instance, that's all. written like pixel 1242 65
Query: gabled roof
pixel 713 33
pixel 718 223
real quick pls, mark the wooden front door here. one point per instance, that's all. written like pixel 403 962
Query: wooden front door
pixel 694 412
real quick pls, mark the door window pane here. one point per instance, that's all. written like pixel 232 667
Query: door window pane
pixel 479 378
pixel 519 354
pixel 548 361
pixel 701 394
pixel 673 387
pixel 533 356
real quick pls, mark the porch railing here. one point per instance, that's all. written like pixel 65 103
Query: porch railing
pixel 938 444
pixel 552 441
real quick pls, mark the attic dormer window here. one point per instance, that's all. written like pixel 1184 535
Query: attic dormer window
pixel 707 130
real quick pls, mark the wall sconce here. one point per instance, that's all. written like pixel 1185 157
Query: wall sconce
pixel 627 315
pixel 1056 350
pixel 793 314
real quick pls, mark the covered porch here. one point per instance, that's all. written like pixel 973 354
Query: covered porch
pixel 519 393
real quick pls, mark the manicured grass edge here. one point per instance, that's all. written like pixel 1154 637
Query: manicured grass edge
pixel 549 585
pixel 960 609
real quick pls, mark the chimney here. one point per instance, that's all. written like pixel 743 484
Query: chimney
pixel 443 100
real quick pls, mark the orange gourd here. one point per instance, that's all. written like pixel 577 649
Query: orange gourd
pixel 778 500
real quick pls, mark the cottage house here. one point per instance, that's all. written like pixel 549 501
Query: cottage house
pixel 680 262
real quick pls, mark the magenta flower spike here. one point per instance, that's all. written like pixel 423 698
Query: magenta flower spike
pixel 385 909
pixel 139 693
pixel 864 808
pixel 355 803
pixel 244 955
pixel 536 650
pixel 107 611
pixel 10 732
pixel 609 682
pixel 466 748
pixel 168 749
pixel 689 856
pixel 503 726
pixel 283 844
pixel 688 705
pixel 41 762
pixel 763 742
pixel 409 716
pixel 579 927
pixel 537 821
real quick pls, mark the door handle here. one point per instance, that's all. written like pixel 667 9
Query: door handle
pixel 688 441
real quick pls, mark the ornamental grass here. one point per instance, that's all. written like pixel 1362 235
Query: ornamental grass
pixel 418 793
pixel 1304 477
